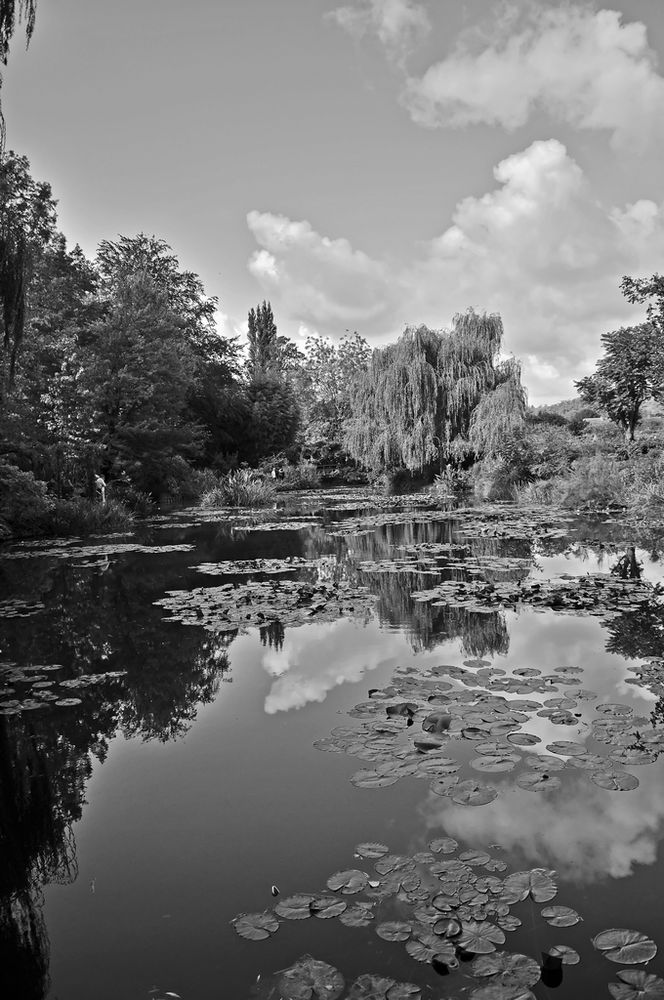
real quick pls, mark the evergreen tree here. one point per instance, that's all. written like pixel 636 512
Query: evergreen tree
pixel 264 351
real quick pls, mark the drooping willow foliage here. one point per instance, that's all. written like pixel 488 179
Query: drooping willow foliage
pixel 13 12
pixel 436 396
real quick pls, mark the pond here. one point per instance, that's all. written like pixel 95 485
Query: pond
pixel 352 747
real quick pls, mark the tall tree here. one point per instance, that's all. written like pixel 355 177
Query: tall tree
pixel 434 396
pixel 628 373
pixel 27 225
pixel 264 353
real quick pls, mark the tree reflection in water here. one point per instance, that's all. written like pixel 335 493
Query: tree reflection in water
pixel 94 622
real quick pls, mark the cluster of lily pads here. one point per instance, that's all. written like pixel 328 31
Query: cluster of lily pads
pixel 239 567
pixel 596 593
pixel 69 551
pixel 414 726
pixel 291 602
pixel 449 910
pixel 16 607
pixel 25 689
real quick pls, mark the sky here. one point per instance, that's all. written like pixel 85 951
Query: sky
pixel 365 165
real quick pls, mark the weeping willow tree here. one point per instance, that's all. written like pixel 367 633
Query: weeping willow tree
pixel 435 397
pixel 13 12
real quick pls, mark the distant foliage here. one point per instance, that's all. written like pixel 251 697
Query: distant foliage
pixel 628 373
pixel 436 397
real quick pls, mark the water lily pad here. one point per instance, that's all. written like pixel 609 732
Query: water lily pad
pixel 367 778
pixel 297 907
pixel 560 916
pixel 494 991
pixel 404 991
pixel 615 781
pixel 357 915
pixel 350 881
pixel 566 954
pixel 538 884
pixel 327 906
pixel 370 987
pixel 506 969
pixel 566 749
pixel 471 793
pixel 394 930
pixel 637 985
pixel 626 947
pixel 309 977
pixel 68 702
pixel 370 849
pixel 255 926
pixel 443 845
pixel 480 938
pixel 537 781
pixel 496 762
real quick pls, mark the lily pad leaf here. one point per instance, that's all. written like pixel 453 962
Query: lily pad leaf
pixel 357 915
pixel 367 778
pixel 472 793
pixel 511 971
pixel 437 722
pixel 255 926
pixel 480 938
pixel 394 930
pixel 297 907
pixel 566 954
pixel 370 987
pixel 309 977
pixel 371 850
pixel 626 947
pixel 537 883
pixel 349 882
pixel 560 916
pixel 615 781
pixel 443 845
pixel 637 985
pixel 497 992
pixel 537 781
pixel 327 906
pixel 404 991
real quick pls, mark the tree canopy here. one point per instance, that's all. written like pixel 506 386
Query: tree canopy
pixel 435 397
pixel 628 373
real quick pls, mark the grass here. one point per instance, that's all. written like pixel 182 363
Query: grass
pixel 240 489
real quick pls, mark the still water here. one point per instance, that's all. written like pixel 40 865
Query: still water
pixel 159 777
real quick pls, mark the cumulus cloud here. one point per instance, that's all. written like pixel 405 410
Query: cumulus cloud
pixel 583 67
pixel 323 281
pixel 318 658
pixel 398 24
pixel 585 832
pixel 538 248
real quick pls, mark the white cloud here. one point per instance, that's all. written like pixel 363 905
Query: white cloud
pixel 316 659
pixel 539 248
pixel 398 24
pixel 324 281
pixel 583 67
pixel 585 833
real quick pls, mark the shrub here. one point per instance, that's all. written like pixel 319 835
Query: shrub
pixel 23 501
pixel 552 449
pixel 139 503
pixel 304 476
pixel 240 489
pixel 450 483
pixel 86 517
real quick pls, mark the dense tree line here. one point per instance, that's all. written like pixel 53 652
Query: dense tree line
pixel 114 367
